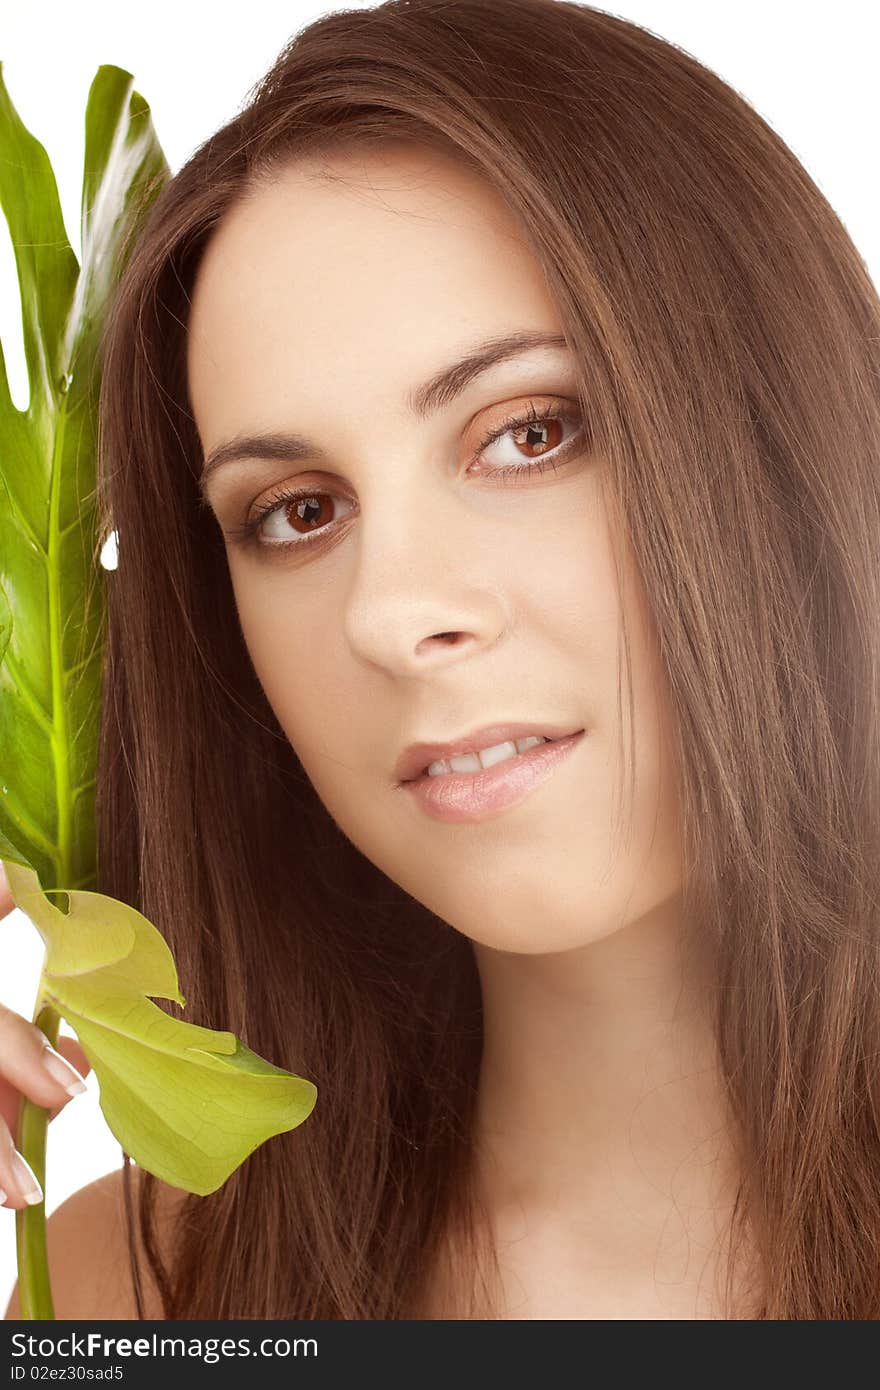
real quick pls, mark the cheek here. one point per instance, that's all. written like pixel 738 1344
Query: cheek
pixel 298 665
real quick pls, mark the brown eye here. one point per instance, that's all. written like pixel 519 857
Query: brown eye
pixel 540 437
pixel 307 513
pixel 534 441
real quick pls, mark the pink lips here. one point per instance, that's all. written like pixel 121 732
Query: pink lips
pixel 474 796
pixel 419 756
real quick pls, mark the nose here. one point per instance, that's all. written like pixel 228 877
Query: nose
pixel 427 589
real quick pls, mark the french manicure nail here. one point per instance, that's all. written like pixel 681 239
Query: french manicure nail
pixel 60 1070
pixel 26 1179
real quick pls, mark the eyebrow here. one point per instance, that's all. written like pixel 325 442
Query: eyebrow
pixel 277 446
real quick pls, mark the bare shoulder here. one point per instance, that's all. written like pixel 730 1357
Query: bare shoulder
pixel 87 1243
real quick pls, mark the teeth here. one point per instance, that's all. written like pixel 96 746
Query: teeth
pixel 486 757
pixel 531 742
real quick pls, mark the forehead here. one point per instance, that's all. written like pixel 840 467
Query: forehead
pixel 362 269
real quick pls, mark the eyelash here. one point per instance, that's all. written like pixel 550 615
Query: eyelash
pixel 248 534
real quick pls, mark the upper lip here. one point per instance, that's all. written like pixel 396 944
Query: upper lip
pixel 418 756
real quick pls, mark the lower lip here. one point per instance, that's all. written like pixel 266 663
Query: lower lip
pixel 474 796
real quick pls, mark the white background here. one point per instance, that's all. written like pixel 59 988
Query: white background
pixel 809 69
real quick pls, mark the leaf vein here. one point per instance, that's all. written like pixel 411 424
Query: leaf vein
pixel 23 822
pixel 26 526
pixel 36 706
pixel 83 786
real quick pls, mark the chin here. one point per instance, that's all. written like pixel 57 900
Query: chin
pixel 540 932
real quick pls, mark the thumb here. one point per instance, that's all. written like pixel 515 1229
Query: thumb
pixel 6 903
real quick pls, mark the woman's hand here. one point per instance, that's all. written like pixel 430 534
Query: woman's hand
pixel 29 1067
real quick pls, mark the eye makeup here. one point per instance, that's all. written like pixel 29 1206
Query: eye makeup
pixel 304 502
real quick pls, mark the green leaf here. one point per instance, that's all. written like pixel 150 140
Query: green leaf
pixel 189 1104
pixel 9 851
pixel 52 605
pixel 5 623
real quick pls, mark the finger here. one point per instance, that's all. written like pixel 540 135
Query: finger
pixel 18 1182
pixel 6 903
pixel 11 1102
pixel 32 1066
pixel 73 1053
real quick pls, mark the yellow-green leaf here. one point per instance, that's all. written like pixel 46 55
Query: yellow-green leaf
pixel 188 1103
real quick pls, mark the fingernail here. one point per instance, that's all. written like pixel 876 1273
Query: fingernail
pixel 26 1179
pixel 3 1195
pixel 60 1070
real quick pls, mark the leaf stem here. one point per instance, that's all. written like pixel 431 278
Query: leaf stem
pixel 34 1292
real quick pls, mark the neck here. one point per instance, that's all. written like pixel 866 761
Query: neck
pixel 601 1108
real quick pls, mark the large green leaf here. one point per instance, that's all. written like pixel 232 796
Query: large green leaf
pixel 52 610
pixel 189 1104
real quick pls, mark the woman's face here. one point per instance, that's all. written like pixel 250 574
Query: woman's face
pixel 422 594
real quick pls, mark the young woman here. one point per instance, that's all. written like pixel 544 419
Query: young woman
pixel 490 345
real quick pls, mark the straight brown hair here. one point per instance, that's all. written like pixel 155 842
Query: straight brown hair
pixel 728 340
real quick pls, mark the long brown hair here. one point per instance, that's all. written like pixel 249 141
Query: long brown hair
pixel 728 338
